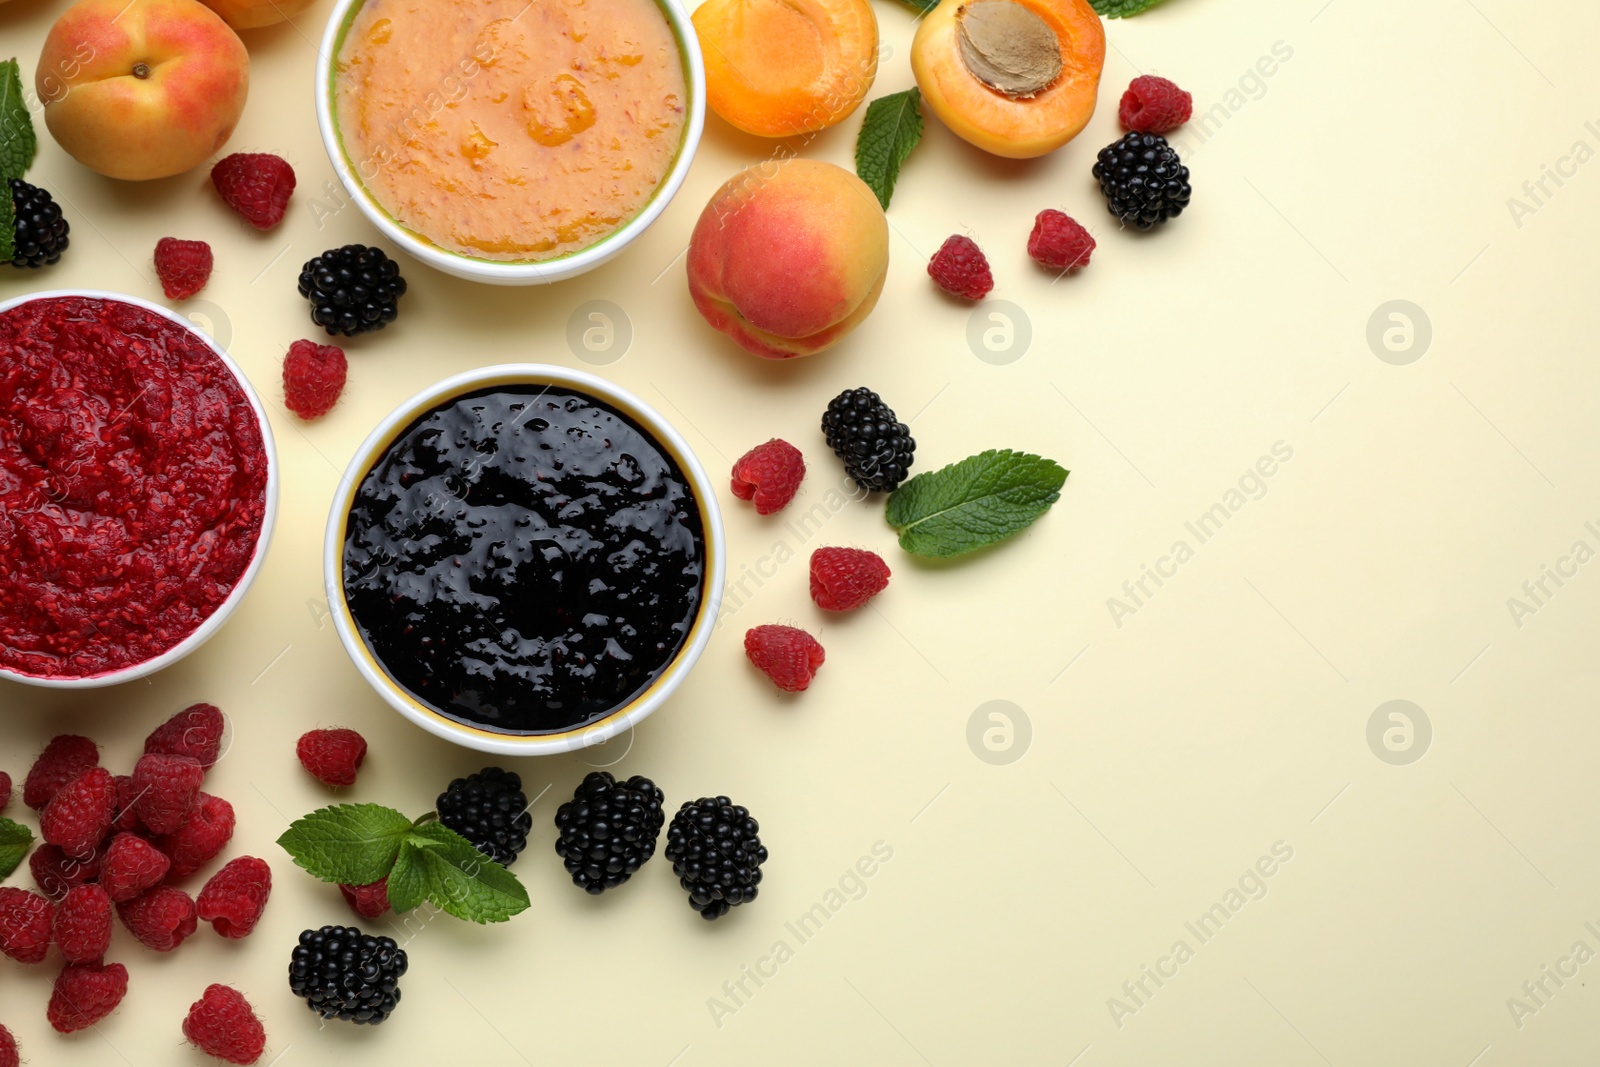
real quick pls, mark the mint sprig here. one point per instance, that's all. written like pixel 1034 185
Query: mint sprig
pixel 15 841
pixel 1121 9
pixel 357 844
pixel 8 224
pixel 18 142
pixel 967 505
pixel 891 129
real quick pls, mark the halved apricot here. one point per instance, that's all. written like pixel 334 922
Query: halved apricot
pixel 1017 78
pixel 776 68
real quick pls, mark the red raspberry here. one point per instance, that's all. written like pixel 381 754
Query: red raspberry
pixel 255 184
pixel 182 266
pixel 5 798
pixel 196 731
pixel 369 901
pixel 332 756
pixel 8 1049
pixel 769 474
pixel 55 872
pixel 126 817
pixel 62 760
pixel 313 378
pixel 222 1024
pixel 167 787
pixel 1154 105
pixel 85 993
pixel 961 269
pixel 25 920
pixel 789 656
pixel 1059 242
pixel 205 834
pixel 843 579
pixel 82 924
pixel 131 866
pixel 161 919
pixel 80 813
pixel 234 898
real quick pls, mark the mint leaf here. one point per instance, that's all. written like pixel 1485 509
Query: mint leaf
pixel 441 865
pixel 921 6
pixel 17 140
pixel 890 131
pixel 8 224
pixel 15 841
pixel 981 500
pixel 1121 9
pixel 352 844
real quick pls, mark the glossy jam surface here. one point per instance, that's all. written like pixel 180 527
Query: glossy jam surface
pixel 132 485
pixel 510 130
pixel 524 560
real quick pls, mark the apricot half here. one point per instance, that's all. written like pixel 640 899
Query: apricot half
pixel 776 68
pixel 1017 78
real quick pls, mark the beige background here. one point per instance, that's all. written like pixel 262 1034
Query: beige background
pixel 1167 754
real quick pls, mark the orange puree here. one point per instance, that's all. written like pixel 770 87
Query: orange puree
pixel 510 129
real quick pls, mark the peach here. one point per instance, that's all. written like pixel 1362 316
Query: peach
pixel 253 14
pixel 144 89
pixel 789 257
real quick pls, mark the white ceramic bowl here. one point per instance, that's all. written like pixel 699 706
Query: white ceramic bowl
pixel 493 271
pixel 214 621
pixel 620 719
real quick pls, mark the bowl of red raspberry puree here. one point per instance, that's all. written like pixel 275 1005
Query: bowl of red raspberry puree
pixel 138 486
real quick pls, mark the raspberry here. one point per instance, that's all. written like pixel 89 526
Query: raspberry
pixel 843 579
pixel 80 813
pixel 961 269
pixel 55 872
pixel 234 898
pixel 62 760
pixel 332 756
pixel 167 787
pixel 161 919
pixel 182 266
pixel 205 834
pixel 131 866
pixel 1154 105
pixel 195 731
pixel 371 900
pixel 126 816
pixel 25 920
pixel 82 924
pixel 5 798
pixel 255 184
pixel 8 1049
pixel 789 656
pixel 769 474
pixel 1059 242
pixel 222 1024
pixel 85 993
pixel 313 378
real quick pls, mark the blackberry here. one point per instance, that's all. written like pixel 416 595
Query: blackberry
pixel 352 289
pixel 41 232
pixel 875 446
pixel 1143 179
pixel 345 974
pixel 608 829
pixel 716 852
pixel 490 810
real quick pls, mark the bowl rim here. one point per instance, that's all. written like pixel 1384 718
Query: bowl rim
pixel 619 719
pixel 497 271
pixel 213 622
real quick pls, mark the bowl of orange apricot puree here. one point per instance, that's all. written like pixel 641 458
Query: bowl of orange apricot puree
pixel 514 142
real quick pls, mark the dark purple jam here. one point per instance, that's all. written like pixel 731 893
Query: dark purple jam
pixel 524 560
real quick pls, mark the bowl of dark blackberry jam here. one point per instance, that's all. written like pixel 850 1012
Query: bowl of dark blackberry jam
pixel 524 559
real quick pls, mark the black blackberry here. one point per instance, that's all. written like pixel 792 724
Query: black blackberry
pixel 490 810
pixel 345 974
pixel 1143 179
pixel 716 852
pixel 608 829
pixel 352 289
pixel 875 446
pixel 41 232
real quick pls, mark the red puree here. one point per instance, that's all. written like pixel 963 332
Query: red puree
pixel 132 485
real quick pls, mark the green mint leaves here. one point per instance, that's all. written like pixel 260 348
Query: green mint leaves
pixel 967 505
pixel 357 844
pixel 921 6
pixel 8 224
pixel 1121 9
pixel 17 140
pixel 15 841
pixel 890 131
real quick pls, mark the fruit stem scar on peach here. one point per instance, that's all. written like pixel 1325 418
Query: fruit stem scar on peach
pixel 1007 47
pixel 141 70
